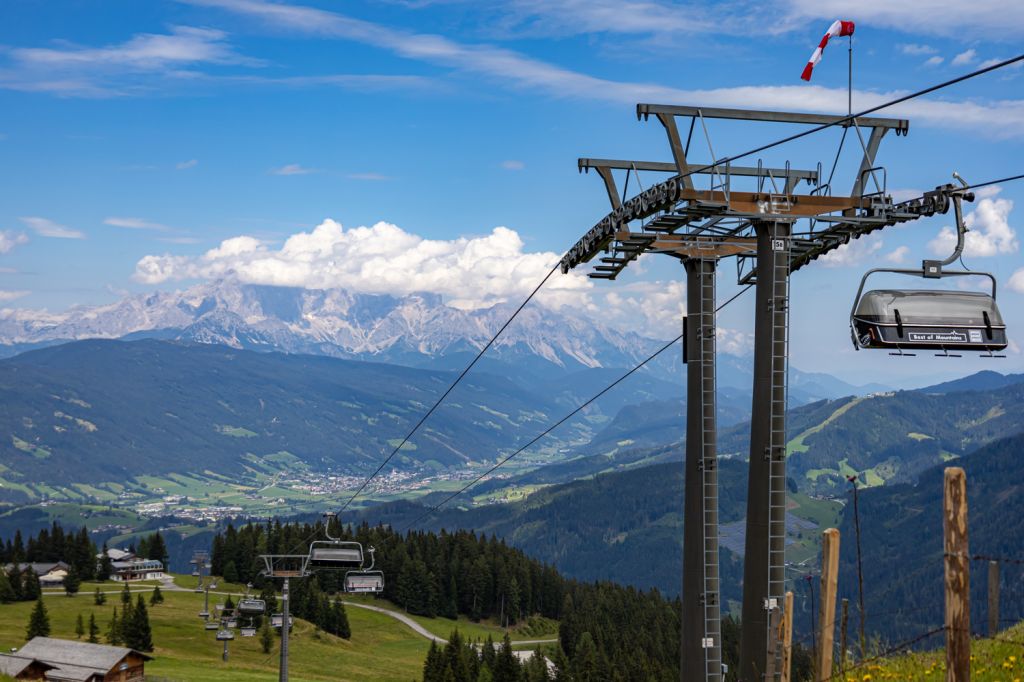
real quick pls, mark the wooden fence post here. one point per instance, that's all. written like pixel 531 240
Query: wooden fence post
pixel 827 610
pixel 993 598
pixel 787 638
pixel 957 576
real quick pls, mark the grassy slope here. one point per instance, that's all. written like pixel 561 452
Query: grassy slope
pixel 381 648
pixel 992 660
pixel 186 651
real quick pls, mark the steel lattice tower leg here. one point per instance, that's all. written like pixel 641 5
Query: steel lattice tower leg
pixel 701 646
pixel 764 557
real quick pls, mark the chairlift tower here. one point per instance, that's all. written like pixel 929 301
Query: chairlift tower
pixel 749 213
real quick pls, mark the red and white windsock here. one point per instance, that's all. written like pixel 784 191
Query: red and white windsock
pixel 837 29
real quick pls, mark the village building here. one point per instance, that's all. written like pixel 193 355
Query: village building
pixel 137 569
pixel 50 573
pixel 19 668
pixel 125 566
pixel 72 661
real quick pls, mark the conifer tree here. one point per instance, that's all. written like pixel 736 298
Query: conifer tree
pixel 154 547
pixel 126 595
pixel 562 672
pixel 266 636
pixel 94 629
pixel 138 634
pixel 7 594
pixel 506 665
pixel 106 567
pixel 157 597
pixel 79 627
pixel 343 629
pixel 433 667
pixel 38 621
pixel 30 589
pixel 269 595
pixel 72 582
pixel 114 631
pixel 230 572
pixel 450 609
pixel 585 664
pixel 99 598
pixel 536 669
pixel 487 654
pixel 14 579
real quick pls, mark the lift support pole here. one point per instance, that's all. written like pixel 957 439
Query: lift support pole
pixel 764 558
pixel 701 646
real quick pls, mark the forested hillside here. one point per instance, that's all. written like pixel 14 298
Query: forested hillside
pixel 106 410
pixel 465 573
pixel 889 437
pixel 901 537
pixel 624 526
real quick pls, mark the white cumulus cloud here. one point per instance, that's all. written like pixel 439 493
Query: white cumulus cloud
pixel 656 306
pixel 852 253
pixel 10 239
pixel 1016 282
pixel 898 255
pixel 989 231
pixel 966 57
pixel 734 341
pixel 468 272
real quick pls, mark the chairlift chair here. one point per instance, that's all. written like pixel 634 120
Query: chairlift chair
pixel 365 580
pixel 334 553
pixel 212 625
pixel 252 607
pixel 225 635
pixel 277 620
pixel 231 623
pixel 361 582
pixel 940 320
pixel 204 614
pixel 248 631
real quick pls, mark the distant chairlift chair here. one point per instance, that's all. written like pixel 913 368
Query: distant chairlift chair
pixel 365 581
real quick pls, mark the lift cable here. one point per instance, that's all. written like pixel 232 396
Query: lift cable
pixel 995 182
pixel 577 410
pixel 444 395
pixel 543 433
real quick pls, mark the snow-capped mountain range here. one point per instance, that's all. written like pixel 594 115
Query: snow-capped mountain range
pixel 414 330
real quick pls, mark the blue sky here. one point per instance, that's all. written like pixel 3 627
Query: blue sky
pixel 137 137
